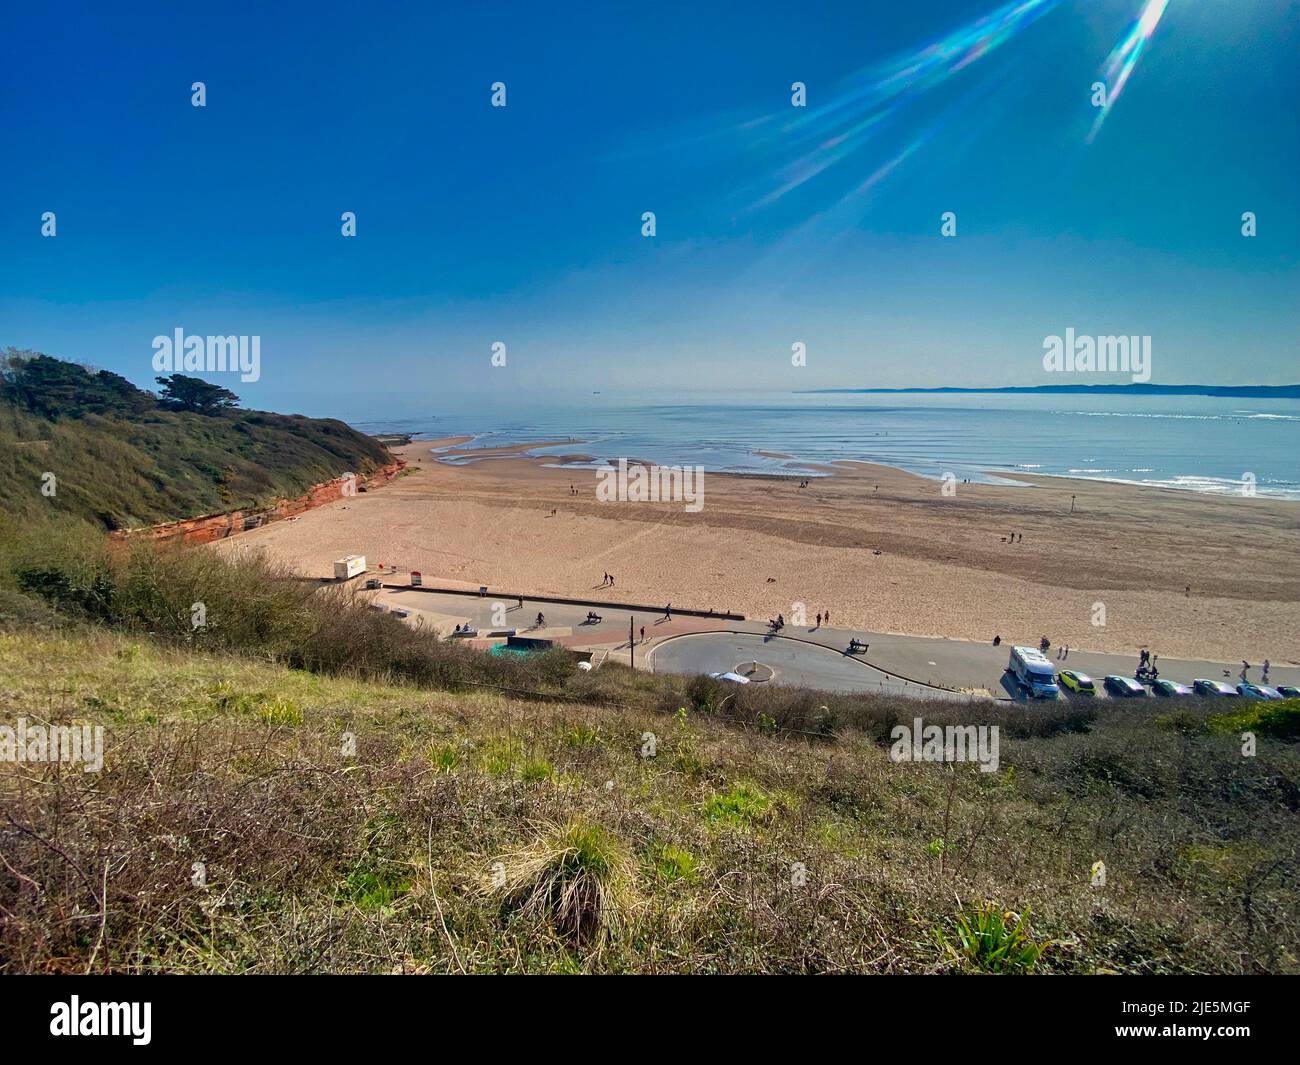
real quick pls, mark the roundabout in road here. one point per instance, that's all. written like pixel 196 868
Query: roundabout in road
pixel 779 660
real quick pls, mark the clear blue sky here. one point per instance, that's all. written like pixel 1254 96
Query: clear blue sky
pixel 523 224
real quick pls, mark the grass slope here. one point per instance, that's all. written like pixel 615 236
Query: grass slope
pixel 477 832
pixel 140 463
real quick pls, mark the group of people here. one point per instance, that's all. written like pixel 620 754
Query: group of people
pixel 1147 668
pixel 778 623
pixel 608 582
pixel 593 618
pixel 1245 669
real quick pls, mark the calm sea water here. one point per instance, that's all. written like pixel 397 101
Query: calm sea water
pixel 1189 442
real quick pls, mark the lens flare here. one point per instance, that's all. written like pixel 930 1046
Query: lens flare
pixel 872 99
pixel 1121 61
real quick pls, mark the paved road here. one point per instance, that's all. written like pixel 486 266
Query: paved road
pixel 793 661
pixel 955 664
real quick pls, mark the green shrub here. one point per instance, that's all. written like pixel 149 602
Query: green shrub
pixel 669 862
pixel 741 805
pixel 1279 719
pixel 992 940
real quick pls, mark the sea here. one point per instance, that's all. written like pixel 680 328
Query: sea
pixel 1194 443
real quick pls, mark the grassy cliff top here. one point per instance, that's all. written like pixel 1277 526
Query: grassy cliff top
pixel 122 457
pixel 254 818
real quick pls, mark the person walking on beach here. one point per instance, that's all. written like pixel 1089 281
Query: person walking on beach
pixel 828 617
pixel 668 612
pixel 1066 654
pixel 1245 668
pixel 643 634
pixel 1265 675
pixel 819 621
pixel 611 580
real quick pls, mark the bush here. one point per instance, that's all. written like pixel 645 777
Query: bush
pixel 993 940
pixel 1281 720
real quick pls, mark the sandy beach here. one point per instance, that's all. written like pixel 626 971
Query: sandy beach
pixel 880 549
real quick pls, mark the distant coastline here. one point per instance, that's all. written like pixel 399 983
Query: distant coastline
pixel 1135 389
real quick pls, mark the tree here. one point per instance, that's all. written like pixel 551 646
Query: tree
pixel 194 394
pixel 55 388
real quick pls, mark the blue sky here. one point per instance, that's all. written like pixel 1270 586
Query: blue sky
pixel 523 224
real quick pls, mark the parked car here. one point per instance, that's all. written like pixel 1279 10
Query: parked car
pixel 1124 687
pixel 1170 689
pixel 1213 687
pixel 374 582
pixel 734 678
pixel 1078 683
pixel 1258 691
pixel 1289 691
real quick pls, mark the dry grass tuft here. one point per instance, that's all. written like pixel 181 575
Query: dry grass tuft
pixel 577 878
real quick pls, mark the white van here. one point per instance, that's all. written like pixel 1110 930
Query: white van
pixel 347 568
pixel 1034 672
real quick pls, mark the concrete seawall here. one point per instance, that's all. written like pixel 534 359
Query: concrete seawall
pixel 493 594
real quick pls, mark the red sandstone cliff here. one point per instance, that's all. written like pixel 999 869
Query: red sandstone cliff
pixel 218 526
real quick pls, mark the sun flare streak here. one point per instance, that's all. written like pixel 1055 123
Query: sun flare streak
pixel 1124 57
pixel 876 97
